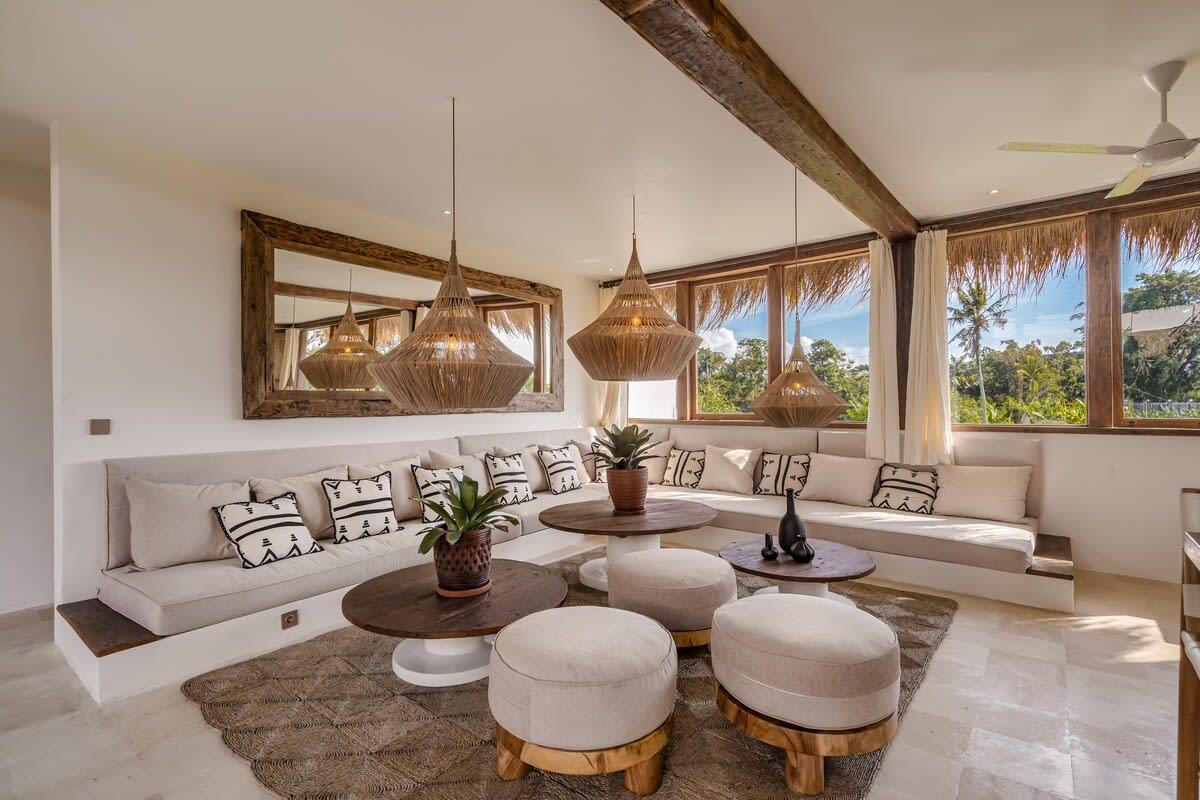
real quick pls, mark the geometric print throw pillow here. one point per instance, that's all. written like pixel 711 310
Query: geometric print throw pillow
pixel 361 508
pixel 781 472
pixel 508 473
pixel 904 488
pixel 266 531
pixel 684 468
pixel 561 471
pixel 431 483
pixel 602 465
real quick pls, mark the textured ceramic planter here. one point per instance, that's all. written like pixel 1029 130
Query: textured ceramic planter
pixel 627 488
pixel 464 569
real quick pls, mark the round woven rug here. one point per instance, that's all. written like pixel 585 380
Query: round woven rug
pixel 327 719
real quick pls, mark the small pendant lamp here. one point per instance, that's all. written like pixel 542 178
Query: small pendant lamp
pixel 344 360
pixel 798 398
pixel 451 361
pixel 634 339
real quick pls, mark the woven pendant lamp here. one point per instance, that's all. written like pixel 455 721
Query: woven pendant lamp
pixel 451 361
pixel 634 339
pixel 798 398
pixel 344 360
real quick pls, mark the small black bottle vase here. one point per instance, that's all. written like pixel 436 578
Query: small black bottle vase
pixel 791 533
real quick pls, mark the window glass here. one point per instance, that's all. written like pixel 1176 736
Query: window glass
pixel 390 331
pixel 731 364
pixel 655 399
pixel 514 327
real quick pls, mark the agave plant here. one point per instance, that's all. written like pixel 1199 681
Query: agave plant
pixel 624 448
pixel 461 509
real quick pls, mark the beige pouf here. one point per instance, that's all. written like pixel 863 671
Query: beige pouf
pixel 583 690
pixel 680 588
pixel 810 675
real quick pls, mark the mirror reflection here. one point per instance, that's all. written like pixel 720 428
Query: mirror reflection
pixel 310 297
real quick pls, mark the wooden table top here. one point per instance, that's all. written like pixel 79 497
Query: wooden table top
pixel 597 517
pixel 833 562
pixel 404 603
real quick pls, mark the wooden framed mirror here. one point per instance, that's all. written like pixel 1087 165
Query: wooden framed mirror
pixel 295 284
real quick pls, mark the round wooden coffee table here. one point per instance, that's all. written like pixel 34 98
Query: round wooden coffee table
pixel 833 562
pixel 443 638
pixel 627 533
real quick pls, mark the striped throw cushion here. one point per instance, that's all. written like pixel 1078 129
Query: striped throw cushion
pixel 267 531
pixel 361 507
pixel 601 464
pixel 904 488
pixel 561 472
pixel 508 473
pixel 431 484
pixel 684 468
pixel 780 472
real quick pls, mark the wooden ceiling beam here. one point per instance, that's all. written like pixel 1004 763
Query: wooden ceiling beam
pixel 318 293
pixel 710 46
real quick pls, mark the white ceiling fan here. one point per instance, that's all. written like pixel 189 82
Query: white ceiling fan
pixel 1166 144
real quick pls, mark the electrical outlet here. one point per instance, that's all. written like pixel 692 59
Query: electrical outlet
pixel 289 619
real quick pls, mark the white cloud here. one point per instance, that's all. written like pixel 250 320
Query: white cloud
pixel 859 355
pixel 721 340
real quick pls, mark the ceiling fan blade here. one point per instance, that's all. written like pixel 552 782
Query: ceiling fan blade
pixel 1054 147
pixel 1130 183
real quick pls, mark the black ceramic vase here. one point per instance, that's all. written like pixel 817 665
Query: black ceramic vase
pixel 769 553
pixel 791 533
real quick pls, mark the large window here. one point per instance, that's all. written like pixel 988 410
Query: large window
pixel 830 298
pixel 1016 325
pixel 731 364
pixel 1160 316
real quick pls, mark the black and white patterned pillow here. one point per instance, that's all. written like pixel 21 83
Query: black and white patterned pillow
pixel 508 473
pixel 561 472
pixel 266 531
pixel 780 472
pixel 684 468
pixel 601 472
pixel 431 485
pixel 904 488
pixel 361 507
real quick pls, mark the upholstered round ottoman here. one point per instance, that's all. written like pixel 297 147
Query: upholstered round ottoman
pixel 807 674
pixel 680 588
pixel 583 690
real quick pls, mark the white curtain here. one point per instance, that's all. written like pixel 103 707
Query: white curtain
pixel 613 396
pixel 288 364
pixel 883 408
pixel 420 314
pixel 927 436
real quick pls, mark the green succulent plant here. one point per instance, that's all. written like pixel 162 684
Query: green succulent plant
pixel 461 509
pixel 624 448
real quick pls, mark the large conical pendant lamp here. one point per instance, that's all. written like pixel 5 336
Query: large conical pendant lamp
pixel 451 361
pixel 344 360
pixel 634 339
pixel 798 398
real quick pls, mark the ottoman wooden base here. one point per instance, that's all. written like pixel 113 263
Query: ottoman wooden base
pixel 642 760
pixel 806 749
pixel 698 638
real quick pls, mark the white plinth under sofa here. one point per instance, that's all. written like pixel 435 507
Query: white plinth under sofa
pixel 146 628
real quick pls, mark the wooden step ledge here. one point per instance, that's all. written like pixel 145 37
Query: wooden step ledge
pixel 103 630
pixel 1052 557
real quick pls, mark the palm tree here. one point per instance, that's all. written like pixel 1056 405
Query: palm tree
pixel 974 316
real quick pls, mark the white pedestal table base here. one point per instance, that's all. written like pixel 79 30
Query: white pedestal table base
pixel 810 589
pixel 594 573
pixel 442 662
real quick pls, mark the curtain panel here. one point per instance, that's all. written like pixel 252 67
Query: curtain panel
pixel 612 396
pixel 927 435
pixel 883 406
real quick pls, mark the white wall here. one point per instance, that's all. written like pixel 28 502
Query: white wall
pixel 25 416
pixel 147 320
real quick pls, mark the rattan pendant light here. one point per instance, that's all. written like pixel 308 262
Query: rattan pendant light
pixel 451 361
pixel 798 398
pixel 634 339
pixel 344 360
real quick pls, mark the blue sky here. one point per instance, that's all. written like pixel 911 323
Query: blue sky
pixel 1046 318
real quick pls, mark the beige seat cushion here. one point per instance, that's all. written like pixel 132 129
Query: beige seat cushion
pixel 680 588
pixel 728 469
pixel 174 523
pixel 582 678
pixel 528 512
pixel 810 661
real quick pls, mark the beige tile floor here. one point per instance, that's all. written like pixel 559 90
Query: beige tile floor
pixel 1019 704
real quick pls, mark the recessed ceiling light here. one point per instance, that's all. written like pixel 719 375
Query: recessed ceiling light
pixel 446 211
pixel 993 191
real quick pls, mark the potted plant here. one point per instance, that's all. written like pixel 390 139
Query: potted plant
pixel 462 543
pixel 624 450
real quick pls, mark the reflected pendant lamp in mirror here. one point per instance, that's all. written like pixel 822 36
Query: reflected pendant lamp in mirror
pixel 451 361
pixel 634 339
pixel 344 361
pixel 798 398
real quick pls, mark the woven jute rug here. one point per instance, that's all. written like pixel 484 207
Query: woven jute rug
pixel 327 719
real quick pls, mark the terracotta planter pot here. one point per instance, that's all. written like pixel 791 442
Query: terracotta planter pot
pixel 464 569
pixel 627 488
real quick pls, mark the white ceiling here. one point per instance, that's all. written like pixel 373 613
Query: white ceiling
pixel 564 111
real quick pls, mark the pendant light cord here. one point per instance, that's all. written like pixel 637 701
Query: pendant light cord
pixel 796 233
pixel 453 169
pixel 635 217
